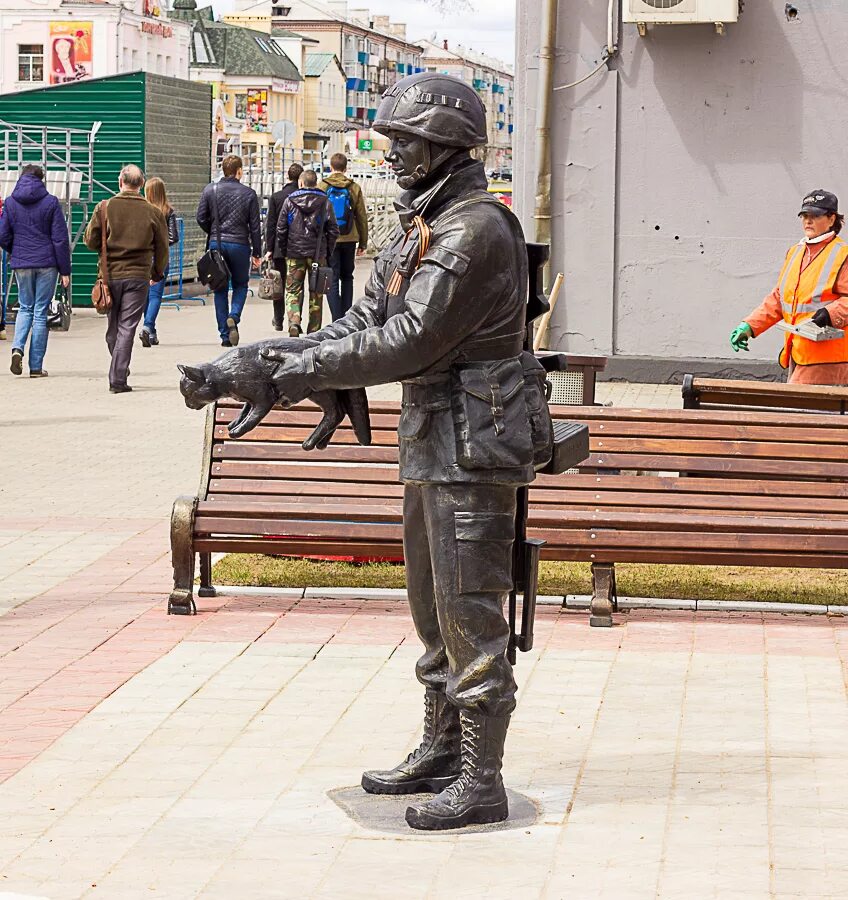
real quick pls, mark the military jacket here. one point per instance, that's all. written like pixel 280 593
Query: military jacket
pixel 451 330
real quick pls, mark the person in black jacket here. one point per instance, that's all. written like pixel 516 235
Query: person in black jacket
pixel 306 233
pixel 275 204
pixel 235 231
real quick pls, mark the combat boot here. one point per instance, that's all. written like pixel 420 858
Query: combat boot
pixel 434 764
pixel 477 797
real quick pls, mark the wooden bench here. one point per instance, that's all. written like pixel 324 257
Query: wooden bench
pixel 661 486
pixel 714 393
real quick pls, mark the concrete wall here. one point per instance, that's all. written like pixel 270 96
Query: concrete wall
pixel 677 176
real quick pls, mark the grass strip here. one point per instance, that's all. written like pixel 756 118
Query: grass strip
pixel 820 586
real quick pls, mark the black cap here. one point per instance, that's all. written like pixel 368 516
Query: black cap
pixel 820 203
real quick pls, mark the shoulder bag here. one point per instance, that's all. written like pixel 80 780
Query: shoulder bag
pixel 320 277
pixel 212 268
pixel 101 299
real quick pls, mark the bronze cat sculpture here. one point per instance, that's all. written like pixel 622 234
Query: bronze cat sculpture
pixel 243 374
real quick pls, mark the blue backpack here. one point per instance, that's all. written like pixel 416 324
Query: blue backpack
pixel 340 199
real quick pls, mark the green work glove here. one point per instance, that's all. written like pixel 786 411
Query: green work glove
pixel 740 336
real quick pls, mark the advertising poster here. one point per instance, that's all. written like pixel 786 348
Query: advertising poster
pixel 253 108
pixel 70 51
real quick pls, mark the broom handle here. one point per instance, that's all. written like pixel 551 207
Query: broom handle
pixel 541 331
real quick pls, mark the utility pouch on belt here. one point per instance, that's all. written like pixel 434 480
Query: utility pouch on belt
pixel 490 415
pixel 535 396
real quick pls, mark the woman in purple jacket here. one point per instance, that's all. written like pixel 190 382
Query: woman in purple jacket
pixel 33 230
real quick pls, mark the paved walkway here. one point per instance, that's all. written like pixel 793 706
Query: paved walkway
pixel 677 755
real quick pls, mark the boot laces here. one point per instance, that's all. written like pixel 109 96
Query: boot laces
pixel 470 750
pixel 429 729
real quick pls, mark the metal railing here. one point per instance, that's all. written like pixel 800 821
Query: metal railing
pixel 380 189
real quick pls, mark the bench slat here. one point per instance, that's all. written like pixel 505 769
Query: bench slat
pixel 755 506
pixel 210 515
pixel 718 448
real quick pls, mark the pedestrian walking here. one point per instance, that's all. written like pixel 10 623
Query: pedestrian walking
pixel 306 234
pixel 156 195
pixel 275 204
pixel 352 218
pixel 813 284
pixel 136 258
pixel 229 213
pixel 34 231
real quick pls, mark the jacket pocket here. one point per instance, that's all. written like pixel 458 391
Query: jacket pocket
pixel 484 552
pixel 490 416
pixel 414 423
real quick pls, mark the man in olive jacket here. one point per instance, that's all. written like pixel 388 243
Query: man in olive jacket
pixel 352 218
pixel 137 256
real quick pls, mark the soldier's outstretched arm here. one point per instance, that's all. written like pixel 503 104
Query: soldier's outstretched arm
pixel 446 301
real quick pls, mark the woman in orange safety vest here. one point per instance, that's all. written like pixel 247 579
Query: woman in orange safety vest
pixel 813 284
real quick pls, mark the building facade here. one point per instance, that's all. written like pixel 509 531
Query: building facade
pixel 495 84
pixel 677 173
pixel 326 90
pixel 49 42
pixel 374 53
pixel 257 89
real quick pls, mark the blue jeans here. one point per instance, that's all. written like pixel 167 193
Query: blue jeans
pixel 35 291
pixel 237 257
pixel 154 301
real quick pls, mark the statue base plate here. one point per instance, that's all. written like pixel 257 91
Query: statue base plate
pixel 385 812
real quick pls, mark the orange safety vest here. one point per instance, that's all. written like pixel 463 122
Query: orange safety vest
pixel 802 293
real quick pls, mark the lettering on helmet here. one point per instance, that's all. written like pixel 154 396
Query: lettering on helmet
pixel 441 100
pixel 813 198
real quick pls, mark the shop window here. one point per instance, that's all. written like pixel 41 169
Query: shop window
pixel 30 62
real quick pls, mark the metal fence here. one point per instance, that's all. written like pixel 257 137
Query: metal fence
pixel 175 279
pixel 380 189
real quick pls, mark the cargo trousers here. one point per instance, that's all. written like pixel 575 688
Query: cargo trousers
pixel 297 288
pixel 458 541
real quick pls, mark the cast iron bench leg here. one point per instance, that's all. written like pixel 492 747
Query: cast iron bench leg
pixel 207 589
pixel 604 597
pixel 181 601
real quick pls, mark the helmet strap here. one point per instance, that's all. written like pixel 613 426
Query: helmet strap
pixel 427 166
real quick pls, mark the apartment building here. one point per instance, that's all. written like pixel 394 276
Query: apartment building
pixel 374 52
pixel 494 82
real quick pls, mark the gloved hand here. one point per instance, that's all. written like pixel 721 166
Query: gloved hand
pixel 822 318
pixel 741 334
pixel 289 377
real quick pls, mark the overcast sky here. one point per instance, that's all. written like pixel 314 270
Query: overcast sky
pixel 484 25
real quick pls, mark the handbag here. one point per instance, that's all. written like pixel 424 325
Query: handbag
pixel 320 277
pixel 101 298
pixel 271 285
pixel 212 268
pixel 59 312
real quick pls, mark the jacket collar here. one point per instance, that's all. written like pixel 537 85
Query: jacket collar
pixel 457 180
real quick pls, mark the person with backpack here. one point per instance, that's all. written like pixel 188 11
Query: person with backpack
pixel 34 232
pixel 275 204
pixel 155 195
pixel 306 234
pixel 349 207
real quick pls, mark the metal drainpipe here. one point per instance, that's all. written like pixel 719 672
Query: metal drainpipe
pixel 544 92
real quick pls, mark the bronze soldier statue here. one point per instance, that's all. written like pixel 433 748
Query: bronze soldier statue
pixel 444 313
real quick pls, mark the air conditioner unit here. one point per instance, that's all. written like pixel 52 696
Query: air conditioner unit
pixel 680 12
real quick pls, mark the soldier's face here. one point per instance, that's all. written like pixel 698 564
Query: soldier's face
pixel 409 157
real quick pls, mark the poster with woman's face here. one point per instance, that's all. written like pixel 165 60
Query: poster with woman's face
pixel 70 51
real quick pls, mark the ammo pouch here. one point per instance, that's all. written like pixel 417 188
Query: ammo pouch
pixel 535 396
pixel 490 415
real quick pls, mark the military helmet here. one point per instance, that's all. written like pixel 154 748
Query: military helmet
pixel 440 108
